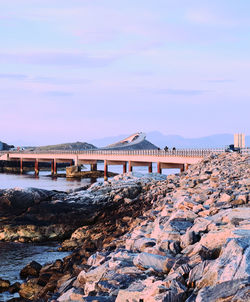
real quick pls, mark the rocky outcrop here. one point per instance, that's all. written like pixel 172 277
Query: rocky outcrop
pixel 192 245
pixel 4 146
pixel 75 172
pixel 35 215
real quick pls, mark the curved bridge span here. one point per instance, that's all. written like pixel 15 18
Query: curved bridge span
pixel 179 159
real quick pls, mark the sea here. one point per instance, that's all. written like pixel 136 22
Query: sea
pixel 14 256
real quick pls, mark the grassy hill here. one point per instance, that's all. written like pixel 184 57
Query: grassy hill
pixel 66 146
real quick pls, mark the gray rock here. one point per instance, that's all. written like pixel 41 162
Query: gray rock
pixel 235 290
pixel 155 262
pixel 233 263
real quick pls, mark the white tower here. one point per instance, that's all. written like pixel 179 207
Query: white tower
pixel 239 140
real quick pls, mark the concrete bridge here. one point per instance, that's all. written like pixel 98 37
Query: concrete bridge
pixel 179 159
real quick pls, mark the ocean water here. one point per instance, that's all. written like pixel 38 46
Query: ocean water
pixel 43 181
pixel 14 256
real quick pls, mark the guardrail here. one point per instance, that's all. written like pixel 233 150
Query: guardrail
pixel 160 153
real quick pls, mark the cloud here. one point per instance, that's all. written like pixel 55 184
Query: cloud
pixel 13 76
pixel 220 81
pixel 218 16
pixel 58 93
pixel 74 59
pixel 43 79
pixel 58 81
pixel 183 92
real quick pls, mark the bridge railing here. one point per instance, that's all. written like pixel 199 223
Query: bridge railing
pixel 160 153
pixel 245 150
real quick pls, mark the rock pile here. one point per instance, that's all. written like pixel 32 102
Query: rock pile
pixel 184 238
pixel 192 245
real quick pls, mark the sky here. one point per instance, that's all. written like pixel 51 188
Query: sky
pixel 83 69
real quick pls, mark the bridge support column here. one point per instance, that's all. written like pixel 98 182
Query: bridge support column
pixel 159 167
pixel 150 169
pixel 105 170
pixel 182 169
pixel 93 167
pixel 186 166
pixel 36 167
pixel 54 167
pixel 21 165
pixel 124 168
pixel 130 167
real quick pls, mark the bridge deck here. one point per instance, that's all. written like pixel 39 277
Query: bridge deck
pixel 164 159
pixel 178 156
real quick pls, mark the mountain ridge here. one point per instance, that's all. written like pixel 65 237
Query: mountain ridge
pixel 161 140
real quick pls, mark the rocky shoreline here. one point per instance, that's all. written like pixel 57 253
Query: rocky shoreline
pixel 181 238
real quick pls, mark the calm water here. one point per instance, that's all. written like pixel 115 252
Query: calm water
pixel 61 184
pixel 14 256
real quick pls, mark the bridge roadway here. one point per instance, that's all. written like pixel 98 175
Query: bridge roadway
pixel 180 159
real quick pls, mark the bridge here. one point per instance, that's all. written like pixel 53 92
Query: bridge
pixel 174 159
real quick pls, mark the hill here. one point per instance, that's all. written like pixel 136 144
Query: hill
pixel 66 146
pixel 4 146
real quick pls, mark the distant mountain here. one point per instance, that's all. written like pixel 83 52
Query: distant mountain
pixel 4 146
pixel 161 140
pixel 66 146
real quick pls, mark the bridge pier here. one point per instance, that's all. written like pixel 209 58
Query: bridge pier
pixel 124 168
pixel 105 170
pixel 54 167
pixel 130 167
pixel 21 165
pixel 76 161
pixel 93 167
pixel 150 169
pixel 159 167
pixel 36 167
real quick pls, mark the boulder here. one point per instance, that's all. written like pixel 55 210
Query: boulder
pixel 233 263
pixel 15 201
pixel 14 288
pixel 234 291
pixel 31 270
pixel 30 289
pixel 156 262
pixel 4 285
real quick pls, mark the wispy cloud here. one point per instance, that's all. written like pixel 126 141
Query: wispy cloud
pixel 58 80
pixel 183 92
pixel 58 93
pixel 74 59
pixel 43 79
pixel 220 81
pixel 13 76
pixel 217 16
